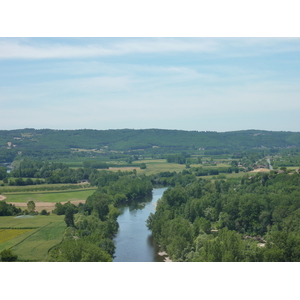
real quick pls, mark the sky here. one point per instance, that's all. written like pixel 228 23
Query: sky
pixel 200 83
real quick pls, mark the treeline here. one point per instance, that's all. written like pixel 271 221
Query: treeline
pixel 9 155
pixel 8 209
pixel 255 219
pixel 172 178
pixel 200 171
pixel 188 176
pixel 38 172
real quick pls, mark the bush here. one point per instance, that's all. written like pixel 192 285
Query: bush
pixel 8 255
pixel 44 212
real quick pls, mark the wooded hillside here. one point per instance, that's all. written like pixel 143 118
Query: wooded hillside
pixel 130 139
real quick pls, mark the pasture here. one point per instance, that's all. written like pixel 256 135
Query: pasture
pixel 31 237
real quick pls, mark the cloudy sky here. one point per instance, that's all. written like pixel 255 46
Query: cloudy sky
pixel 218 84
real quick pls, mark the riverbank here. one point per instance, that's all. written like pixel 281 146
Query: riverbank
pixel 166 257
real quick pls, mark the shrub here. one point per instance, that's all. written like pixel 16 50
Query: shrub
pixel 8 255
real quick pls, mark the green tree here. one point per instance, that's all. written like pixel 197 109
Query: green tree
pixel 31 206
pixel 143 166
pixel 69 217
pixel 79 250
pixel 3 173
pixel 8 255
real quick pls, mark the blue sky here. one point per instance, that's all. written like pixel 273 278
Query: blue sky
pixel 219 84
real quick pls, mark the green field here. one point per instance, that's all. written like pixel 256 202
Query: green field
pixel 33 245
pixel 159 165
pixel 53 197
pixel 41 187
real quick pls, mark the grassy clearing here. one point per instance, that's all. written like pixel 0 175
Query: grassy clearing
pixel 33 245
pixel 53 197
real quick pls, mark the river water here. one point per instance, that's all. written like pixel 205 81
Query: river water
pixel 134 242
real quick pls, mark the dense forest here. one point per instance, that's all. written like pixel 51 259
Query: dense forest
pixel 253 218
pixel 129 139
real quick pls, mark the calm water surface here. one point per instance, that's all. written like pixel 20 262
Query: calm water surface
pixel 134 242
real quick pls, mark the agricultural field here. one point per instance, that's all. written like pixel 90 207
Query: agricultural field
pixel 8 234
pixel 52 196
pixel 31 237
pixel 159 165
pixel 42 187
pixel 47 200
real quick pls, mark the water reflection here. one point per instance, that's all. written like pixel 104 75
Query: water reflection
pixel 134 242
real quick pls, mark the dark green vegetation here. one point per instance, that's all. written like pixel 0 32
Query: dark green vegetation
pixel 8 209
pixel 254 218
pixel 8 256
pixel 54 144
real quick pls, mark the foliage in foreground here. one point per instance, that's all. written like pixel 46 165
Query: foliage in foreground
pixel 255 219
pixel 8 256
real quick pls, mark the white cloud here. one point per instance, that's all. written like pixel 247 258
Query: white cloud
pixel 33 49
pixel 15 48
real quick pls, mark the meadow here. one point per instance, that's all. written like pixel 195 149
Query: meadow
pixel 31 237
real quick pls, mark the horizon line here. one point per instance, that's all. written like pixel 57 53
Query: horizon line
pixel 202 131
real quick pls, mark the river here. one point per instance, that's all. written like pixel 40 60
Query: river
pixel 134 242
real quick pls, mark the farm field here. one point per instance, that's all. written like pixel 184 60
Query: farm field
pixel 8 234
pixel 159 165
pixel 31 188
pixel 55 196
pixel 47 200
pixel 31 237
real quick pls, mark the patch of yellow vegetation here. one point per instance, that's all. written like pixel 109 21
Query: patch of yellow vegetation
pixel 8 234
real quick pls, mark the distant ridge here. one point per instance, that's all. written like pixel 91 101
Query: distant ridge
pixel 132 139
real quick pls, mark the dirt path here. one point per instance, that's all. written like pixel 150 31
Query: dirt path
pixel 2 197
pixel 49 206
pixel 260 170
